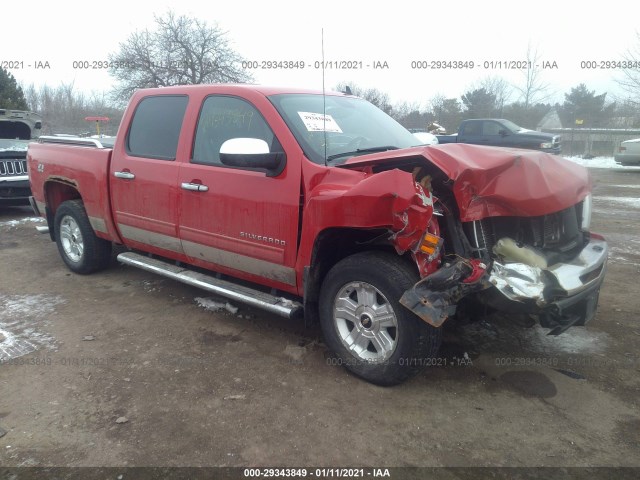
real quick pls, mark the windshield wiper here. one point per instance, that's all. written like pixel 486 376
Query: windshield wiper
pixel 362 150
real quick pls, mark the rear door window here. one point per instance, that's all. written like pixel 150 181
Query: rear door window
pixel 155 128
pixel 472 128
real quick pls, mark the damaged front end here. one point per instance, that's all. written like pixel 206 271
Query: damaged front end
pixel 515 230
pixel 434 298
pixel 561 295
pixel 547 265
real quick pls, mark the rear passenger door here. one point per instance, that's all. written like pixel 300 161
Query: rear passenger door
pixel 238 220
pixel 144 177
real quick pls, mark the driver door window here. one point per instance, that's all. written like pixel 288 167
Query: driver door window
pixel 223 118
pixel 491 128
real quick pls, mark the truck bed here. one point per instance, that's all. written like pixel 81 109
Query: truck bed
pixel 83 165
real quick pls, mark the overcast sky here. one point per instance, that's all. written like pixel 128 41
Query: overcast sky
pixel 61 32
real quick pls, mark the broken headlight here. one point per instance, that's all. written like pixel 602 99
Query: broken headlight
pixel 585 222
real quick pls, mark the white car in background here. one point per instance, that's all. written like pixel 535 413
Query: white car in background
pixel 426 138
pixel 628 153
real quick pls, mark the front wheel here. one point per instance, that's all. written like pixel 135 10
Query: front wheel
pixel 81 250
pixel 364 324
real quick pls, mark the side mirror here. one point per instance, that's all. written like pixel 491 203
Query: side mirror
pixel 503 132
pixel 251 153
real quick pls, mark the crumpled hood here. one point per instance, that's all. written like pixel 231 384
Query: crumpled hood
pixel 496 181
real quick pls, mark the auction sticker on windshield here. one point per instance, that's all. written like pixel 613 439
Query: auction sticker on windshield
pixel 317 122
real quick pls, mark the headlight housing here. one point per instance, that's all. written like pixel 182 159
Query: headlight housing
pixel 587 208
pixel 546 145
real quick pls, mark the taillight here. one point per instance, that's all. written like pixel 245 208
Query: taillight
pixel 622 149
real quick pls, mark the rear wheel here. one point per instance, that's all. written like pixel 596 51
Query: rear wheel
pixel 81 250
pixel 364 324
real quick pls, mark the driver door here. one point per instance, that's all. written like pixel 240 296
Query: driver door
pixel 237 220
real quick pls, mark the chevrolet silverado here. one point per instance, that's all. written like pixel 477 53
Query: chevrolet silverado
pixel 322 206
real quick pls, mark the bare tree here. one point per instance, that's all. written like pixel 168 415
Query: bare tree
pixel 629 79
pixel 533 89
pixel 182 50
pixel 379 98
pixel 498 87
pixel 64 109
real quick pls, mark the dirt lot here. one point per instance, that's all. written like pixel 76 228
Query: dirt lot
pixel 123 368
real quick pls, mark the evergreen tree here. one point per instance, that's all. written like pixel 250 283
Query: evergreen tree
pixel 584 105
pixel 11 94
pixel 479 103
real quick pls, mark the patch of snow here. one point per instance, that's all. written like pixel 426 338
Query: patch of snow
pixel 599 162
pixel 152 285
pixel 21 321
pixel 628 201
pixel 17 148
pixel 34 306
pixel 575 340
pixel 623 254
pixel 285 302
pixel 506 335
pixel 214 306
pixel 625 186
pixel 15 223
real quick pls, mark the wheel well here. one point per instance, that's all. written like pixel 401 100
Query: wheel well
pixel 334 244
pixel 56 192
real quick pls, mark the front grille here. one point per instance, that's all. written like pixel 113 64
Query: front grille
pixel 554 233
pixel 13 167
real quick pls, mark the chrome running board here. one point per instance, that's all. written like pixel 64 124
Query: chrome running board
pixel 278 305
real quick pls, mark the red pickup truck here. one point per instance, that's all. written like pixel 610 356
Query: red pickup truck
pixel 322 205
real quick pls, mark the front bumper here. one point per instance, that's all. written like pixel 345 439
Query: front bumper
pixel 15 191
pixel 627 159
pixel 564 291
pixel 554 150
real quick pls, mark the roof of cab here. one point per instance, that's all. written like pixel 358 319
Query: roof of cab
pixel 233 87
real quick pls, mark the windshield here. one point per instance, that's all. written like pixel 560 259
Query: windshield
pixel 13 145
pixel 352 126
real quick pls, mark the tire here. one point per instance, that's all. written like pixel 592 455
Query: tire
pixel 81 250
pixel 364 324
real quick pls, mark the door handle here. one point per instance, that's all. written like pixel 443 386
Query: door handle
pixel 195 187
pixel 126 175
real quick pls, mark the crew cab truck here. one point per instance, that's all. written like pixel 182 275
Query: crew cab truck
pixel 503 133
pixel 323 206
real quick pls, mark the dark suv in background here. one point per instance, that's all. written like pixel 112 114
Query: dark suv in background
pixel 17 127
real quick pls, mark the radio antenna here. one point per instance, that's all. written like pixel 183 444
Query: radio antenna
pixel 324 102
